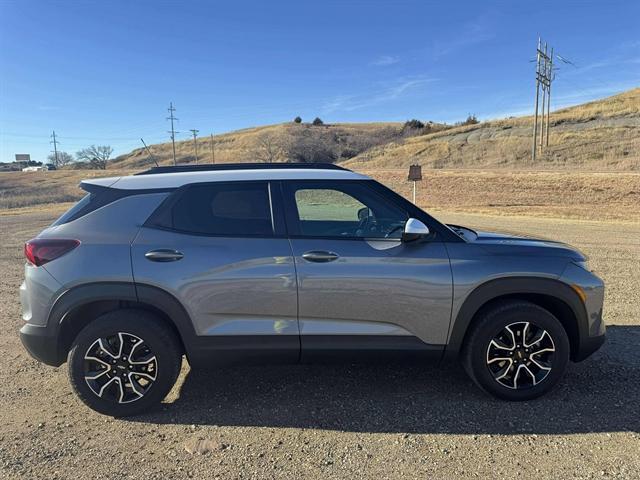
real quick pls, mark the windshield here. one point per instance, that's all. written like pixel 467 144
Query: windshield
pixel 463 232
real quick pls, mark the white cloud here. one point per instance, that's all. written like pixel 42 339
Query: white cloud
pixel 399 88
pixel 385 61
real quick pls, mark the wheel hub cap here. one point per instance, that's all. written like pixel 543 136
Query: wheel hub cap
pixel 120 367
pixel 520 356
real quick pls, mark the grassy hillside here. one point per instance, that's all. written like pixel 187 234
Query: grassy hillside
pixel 600 135
pixel 273 143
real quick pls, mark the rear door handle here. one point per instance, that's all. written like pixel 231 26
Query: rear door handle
pixel 163 255
pixel 320 256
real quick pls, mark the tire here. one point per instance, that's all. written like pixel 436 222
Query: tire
pixel 516 373
pixel 130 386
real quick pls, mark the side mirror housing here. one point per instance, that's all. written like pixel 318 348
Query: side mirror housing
pixel 414 229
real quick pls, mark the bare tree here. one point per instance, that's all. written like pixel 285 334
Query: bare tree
pixel 62 159
pixel 269 148
pixel 309 147
pixel 97 156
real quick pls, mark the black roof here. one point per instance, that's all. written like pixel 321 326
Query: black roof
pixel 239 166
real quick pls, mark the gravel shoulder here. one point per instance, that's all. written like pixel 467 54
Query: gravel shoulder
pixel 334 421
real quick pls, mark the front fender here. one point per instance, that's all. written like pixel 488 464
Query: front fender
pixel 515 286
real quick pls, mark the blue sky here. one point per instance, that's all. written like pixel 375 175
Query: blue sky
pixel 104 72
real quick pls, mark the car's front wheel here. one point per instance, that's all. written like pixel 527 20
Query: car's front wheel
pixel 124 362
pixel 516 351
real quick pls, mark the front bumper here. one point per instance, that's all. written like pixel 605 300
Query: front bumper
pixel 592 332
pixel 588 346
pixel 41 345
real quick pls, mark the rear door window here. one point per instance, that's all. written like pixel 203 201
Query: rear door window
pixel 235 208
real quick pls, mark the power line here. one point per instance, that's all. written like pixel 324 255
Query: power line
pixel 172 132
pixel 195 141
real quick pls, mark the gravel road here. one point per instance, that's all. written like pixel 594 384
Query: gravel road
pixel 331 421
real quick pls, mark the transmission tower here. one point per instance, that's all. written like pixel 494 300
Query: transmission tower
pixel 55 147
pixel 172 132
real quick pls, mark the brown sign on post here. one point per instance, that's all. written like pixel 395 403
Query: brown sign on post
pixel 415 173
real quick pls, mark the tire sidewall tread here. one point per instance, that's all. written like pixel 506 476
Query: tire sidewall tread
pixel 165 347
pixel 489 324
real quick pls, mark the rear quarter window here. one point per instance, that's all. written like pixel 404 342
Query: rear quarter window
pixel 87 204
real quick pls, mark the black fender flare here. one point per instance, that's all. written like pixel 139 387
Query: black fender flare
pixel 127 293
pixel 502 287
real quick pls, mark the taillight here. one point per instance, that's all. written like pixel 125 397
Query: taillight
pixel 42 250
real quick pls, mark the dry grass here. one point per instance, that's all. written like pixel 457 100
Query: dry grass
pixel 585 195
pixel 26 189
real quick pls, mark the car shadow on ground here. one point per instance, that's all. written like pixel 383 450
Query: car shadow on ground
pixel 601 394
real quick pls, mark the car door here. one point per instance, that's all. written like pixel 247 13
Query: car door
pixel 221 250
pixel 359 286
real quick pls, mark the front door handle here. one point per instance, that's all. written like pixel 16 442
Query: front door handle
pixel 163 255
pixel 320 256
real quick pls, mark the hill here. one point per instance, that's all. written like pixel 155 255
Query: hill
pixel 600 135
pixel 300 142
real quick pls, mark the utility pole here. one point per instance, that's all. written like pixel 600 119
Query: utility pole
pixel 544 99
pixel 551 77
pixel 213 150
pixel 195 141
pixel 544 77
pixel 172 132
pixel 55 147
pixel 535 113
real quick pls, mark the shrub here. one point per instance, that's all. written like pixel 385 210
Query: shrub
pixel 298 119
pixel 471 120
pixel 413 124
pixel 318 121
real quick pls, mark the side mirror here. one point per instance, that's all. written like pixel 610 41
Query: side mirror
pixel 364 213
pixel 414 229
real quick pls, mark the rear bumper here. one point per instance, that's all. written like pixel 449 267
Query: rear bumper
pixel 41 345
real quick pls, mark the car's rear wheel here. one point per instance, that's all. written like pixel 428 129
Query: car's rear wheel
pixel 124 362
pixel 516 351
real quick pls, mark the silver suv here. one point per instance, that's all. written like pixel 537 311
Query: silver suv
pixel 291 263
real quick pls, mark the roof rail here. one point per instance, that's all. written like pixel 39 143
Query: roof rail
pixel 239 166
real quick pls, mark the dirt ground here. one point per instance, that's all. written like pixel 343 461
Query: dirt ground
pixel 389 421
